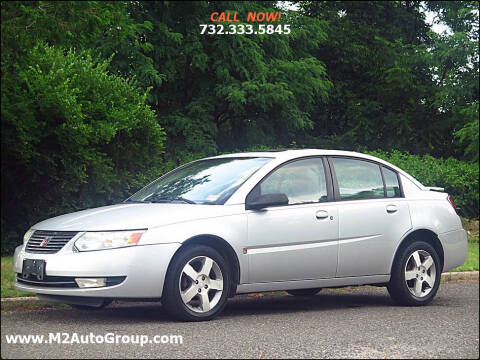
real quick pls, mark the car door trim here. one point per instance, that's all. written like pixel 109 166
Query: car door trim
pixel 289 247
pixel 354 239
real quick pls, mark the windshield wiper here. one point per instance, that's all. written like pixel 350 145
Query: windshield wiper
pixel 170 200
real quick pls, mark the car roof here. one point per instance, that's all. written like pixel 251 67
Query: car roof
pixel 291 154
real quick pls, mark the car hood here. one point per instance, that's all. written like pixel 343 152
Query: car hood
pixel 131 216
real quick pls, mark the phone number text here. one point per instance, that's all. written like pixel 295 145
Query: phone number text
pixel 244 29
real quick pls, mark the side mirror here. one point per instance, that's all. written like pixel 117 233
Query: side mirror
pixel 267 200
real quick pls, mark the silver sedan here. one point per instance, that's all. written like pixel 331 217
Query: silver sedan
pixel 295 220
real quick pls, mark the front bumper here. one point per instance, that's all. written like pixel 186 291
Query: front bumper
pixel 455 248
pixel 144 267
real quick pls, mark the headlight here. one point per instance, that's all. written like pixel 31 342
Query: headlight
pixel 108 240
pixel 27 235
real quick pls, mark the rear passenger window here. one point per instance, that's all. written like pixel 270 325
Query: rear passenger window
pixel 358 179
pixel 391 182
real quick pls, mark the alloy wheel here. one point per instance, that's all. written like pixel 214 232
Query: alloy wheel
pixel 420 273
pixel 201 284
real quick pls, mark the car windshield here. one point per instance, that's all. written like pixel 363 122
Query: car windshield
pixel 210 181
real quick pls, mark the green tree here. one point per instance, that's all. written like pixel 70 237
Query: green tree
pixel 73 136
pixel 454 61
pixel 103 26
pixel 77 78
pixel 468 135
pixel 375 58
pixel 225 92
pixel 398 84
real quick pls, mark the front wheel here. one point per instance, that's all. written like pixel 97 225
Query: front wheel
pixel 415 275
pixel 197 284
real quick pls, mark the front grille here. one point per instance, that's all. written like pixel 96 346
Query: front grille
pixel 56 241
pixel 48 281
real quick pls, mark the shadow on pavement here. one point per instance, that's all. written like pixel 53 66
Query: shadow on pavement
pixel 238 306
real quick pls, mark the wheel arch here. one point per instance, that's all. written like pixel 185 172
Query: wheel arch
pixel 223 247
pixel 426 235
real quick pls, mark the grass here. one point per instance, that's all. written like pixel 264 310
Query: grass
pixel 7 280
pixel 471 263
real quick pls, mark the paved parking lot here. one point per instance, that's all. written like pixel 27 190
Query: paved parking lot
pixel 359 323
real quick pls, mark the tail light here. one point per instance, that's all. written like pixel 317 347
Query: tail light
pixel 450 200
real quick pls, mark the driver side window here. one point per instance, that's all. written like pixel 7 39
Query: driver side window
pixel 303 181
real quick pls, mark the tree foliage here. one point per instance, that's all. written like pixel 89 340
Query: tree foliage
pixel 397 84
pixel 73 136
pixel 454 62
pixel 223 92
pixel 99 97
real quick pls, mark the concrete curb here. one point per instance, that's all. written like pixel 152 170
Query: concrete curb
pixel 446 277
pixel 464 275
pixel 24 298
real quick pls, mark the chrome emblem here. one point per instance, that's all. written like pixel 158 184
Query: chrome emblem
pixel 45 242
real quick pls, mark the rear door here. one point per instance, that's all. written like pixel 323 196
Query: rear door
pixel 373 215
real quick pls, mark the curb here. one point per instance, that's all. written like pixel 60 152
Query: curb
pixel 23 298
pixel 447 277
pixel 464 275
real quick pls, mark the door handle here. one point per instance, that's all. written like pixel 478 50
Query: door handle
pixel 321 214
pixel 391 209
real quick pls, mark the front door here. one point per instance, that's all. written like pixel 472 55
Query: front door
pixel 297 241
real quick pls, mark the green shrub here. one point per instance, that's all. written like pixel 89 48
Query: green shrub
pixel 459 178
pixel 73 137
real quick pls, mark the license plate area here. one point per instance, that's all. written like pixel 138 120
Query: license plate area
pixel 33 268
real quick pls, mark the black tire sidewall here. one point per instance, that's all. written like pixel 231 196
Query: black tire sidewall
pixel 398 287
pixel 171 297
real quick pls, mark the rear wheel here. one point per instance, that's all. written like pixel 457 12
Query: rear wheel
pixel 415 275
pixel 197 284
pixel 304 292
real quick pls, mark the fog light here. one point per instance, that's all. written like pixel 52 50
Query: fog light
pixel 91 282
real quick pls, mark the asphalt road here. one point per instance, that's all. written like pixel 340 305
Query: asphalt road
pixel 360 323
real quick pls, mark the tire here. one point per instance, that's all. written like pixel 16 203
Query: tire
pixel 415 278
pixel 104 304
pixel 304 292
pixel 204 295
